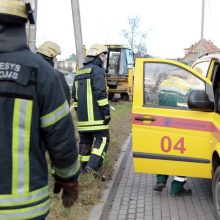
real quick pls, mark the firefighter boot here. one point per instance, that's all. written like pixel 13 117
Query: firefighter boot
pixel 159 187
pixel 161 182
pixel 96 174
pixel 177 189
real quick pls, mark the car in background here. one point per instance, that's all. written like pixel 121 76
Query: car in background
pixel 69 77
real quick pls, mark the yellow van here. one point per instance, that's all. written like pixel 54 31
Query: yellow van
pixel 180 137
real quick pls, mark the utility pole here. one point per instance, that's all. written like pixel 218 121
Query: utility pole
pixel 202 22
pixel 77 32
pixel 31 29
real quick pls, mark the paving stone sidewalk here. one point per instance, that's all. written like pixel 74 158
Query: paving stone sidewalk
pixel 135 199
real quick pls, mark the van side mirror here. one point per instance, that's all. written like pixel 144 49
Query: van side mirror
pixel 199 101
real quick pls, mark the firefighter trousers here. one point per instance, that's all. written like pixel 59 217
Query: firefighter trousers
pixel 176 185
pixel 93 146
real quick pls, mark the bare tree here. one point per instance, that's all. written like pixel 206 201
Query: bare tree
pixel 136 38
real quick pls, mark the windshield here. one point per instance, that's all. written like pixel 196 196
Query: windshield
pixel 113 62
pixel 119 61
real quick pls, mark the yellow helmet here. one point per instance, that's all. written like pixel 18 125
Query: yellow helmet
pixel 13 11
pixel 96 49
pixel 49 49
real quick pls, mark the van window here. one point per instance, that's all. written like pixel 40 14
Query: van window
pixel 168 85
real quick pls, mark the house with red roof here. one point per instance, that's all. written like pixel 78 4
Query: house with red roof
pixel 203 46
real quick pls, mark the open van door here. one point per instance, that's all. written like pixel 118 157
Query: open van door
pixel 168 137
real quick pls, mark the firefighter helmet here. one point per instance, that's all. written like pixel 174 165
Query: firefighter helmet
pixel 13 12
pixel 49 49
pixel 96 49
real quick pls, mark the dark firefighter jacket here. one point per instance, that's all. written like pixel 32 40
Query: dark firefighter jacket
pixel 34 117
pixel 90 96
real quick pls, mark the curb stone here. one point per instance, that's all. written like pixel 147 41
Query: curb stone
pixel 100 210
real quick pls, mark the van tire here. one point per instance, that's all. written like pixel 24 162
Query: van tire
pixel 216 192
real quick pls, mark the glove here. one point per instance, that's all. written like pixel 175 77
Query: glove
pixel 70 192
pixel 107 119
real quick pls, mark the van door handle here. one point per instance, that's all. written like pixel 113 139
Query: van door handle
pixel 145 118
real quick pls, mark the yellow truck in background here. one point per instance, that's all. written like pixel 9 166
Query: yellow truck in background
pixel 181 139
pixel 119 71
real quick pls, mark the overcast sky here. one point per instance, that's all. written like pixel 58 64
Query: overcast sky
pixel 172 25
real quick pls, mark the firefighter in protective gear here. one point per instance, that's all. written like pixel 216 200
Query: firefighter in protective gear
pixel 91 104
pixel 34 117
pixel 49 50
pixel 171 91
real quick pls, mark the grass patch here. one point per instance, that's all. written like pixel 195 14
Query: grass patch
pixel 90 188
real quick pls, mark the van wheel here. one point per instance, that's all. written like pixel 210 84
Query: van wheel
pixel 216 192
